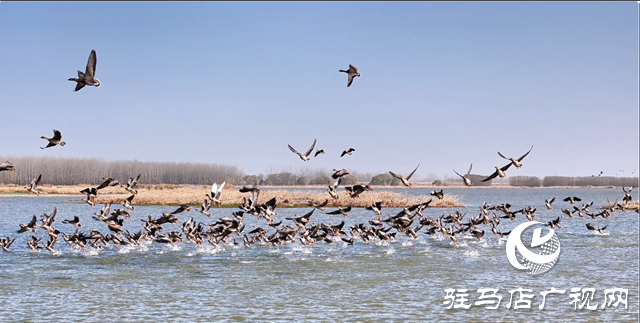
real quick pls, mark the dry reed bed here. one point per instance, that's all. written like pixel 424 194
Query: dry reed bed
pixel 633 205
pixel 283 198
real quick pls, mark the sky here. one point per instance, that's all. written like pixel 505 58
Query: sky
pixel 443 84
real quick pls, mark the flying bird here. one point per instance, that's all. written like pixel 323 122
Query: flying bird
pixel 351 72
pixel 547 203
pixel 7 166
pixel 216 192
pixel 33 186
pixel 56 140
pixel 318 152
pixel 499 172
pixel 305 156
pixel 516 162
pixel 405 181
pixel 88 77
pixel 572 199
pixel 347 152
pixel 465 179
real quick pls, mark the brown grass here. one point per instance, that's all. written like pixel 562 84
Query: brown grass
pixel 166 194
pixel 633 205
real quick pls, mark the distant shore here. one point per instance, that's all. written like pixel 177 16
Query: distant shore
pixel 165 194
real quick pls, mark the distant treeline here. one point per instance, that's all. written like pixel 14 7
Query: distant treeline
pixel 532 181
pixel 73 171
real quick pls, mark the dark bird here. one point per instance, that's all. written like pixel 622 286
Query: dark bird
pixel 554 224
pixel 75 221
pixel 351 72
pixel 465 179
pixel 318 152
pixel 319 206
pixel 31 226
pixel 305 156
pixel 439 195
pixel 182 208
pixel 376 208
pixel 7 166
pixel 88 77
pixel 627 195
pixel 56 140
pixel 358 189
pixel 499 172
pixel 593 228
pixel 342 211
pixel 405 181
pixel 516 162
pixel 547 203
pixel 347 152
pixel 33 186
pixel 572 199
pixel 339 173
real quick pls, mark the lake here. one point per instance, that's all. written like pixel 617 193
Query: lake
pixel 400 281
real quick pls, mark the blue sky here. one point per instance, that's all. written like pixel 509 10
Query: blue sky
pixel 443 84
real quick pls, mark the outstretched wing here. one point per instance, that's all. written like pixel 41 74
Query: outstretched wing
pixel 394 175
pixel 311 148
pixel 525 155
pixel 293 150
pixel 492 176
pixel 91 64
pixel 501 155
pixel 408 177
pixel 350 80
pixel 505 167
pixel 458 173
pixel 37 180
pixel 79 86
pixel 57 135
pixel 469 171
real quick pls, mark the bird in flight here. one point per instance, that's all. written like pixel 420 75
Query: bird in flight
pixel 405 180
pixel 305 156
pixel 351 72
pixel 88 77
pixel 465 179
pixel 56 140
pixel 516 162
pixel 499 172
pixel 347 152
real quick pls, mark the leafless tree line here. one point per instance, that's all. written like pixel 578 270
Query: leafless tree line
pixel 73 171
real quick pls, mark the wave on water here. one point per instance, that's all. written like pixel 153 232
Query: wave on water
pixel 407 243
pixel 472 253
pixel 601 234
pixel 391 251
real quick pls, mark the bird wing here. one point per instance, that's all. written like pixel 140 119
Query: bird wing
pixel 590 226
pixel 79 86
pixel 349 80
pixel 293 149
pixel 394 175
pixel 408 177
pixel 525 155
pixel 334 212
pixel 469 171
pixel 351 150
pixel 57 135
pixel 214 189
pixel 324 203
pixel 311 148
pixel 458 173
pixel 501 155
pixel 317 152
pixel 32 222
pixel 344 152
pixel 37 180
pixel 551 200
pixel 91 64
pixel 355 69
pixel 104 184
pixel 505 167
pixel 492 176
pixel 348 209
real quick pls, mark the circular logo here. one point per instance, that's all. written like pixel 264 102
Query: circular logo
pixel 538 260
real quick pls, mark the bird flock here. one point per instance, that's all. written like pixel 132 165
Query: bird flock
pixel 303 229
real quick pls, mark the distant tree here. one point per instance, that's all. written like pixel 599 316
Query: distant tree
pixel 527 181
pixel 382 179
pixel 302 180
